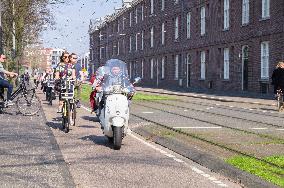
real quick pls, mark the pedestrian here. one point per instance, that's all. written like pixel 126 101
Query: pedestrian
pixel 79 77
pixel 3 82
pixel 278 77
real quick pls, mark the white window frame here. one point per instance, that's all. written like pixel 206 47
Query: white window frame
pixel 136 15
pixel 151 6
pixel 142 12
pixel 118 47
pixel 101 52
pixel 265 9
pixel 226 63
pixel 162 5
pixel 245 12
pixel 123 23
pixel 188 23
pixel 152 37
pixel 130 70
pixel 142 40
pixel 163 33
pixel 176 67
pixel 136 41
pixel 226 14
pixel 130 43
pixel 130 19
pixel 176 1
pixel 163 68
pixel 176 28
pixel 265 60
pixel 152 69
pixel 142 68
pixel 202 21
pixel 118 29
pixel 203 65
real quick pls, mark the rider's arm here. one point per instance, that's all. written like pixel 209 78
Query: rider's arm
pixel 73 74
pixel 7 72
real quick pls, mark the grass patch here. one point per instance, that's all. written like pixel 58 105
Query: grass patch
pixel 86 91
pixel 265 171
pixel 142 96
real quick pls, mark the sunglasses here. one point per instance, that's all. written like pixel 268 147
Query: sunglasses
pixel 74 57
pixel 65 57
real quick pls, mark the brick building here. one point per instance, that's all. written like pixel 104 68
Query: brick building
pixel 220 44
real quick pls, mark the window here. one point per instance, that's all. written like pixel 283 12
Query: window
pixel 202 16
pixel 163 33
pixel 101 52
pixel 176 1
pixel 202 65
pixel 188 17
pixel 176 28
pixel 130 70
pixel 264 60
pixel 142 68
pixel 151 6
pixel 163 68
pixel 265 8
pixel 101 36
pixel 118 47
pixel 118 29
pixel 226 63
pixel 245 12
pixel 176 67
pixel 152 37
pixel 130 46
pixel 142 12
pixel 163 5
pixel 136 41
pixel 123 46
pixel 152 68
pixel 226 14
pixel 136 15
pixel 142 40
pixel 130 19
pixel 123 23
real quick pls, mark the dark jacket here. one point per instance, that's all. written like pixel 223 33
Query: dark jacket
pixel 278 77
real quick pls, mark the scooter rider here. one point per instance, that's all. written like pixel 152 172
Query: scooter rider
pixel 3 82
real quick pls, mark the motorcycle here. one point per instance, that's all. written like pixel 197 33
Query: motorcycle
pixel 113 101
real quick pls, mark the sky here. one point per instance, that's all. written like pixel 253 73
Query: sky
pixel 72 23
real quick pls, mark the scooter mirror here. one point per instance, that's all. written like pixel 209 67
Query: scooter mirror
pixel 137 80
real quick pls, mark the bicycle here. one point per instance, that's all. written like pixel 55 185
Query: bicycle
pixel 280 100
pixel 50 95
pixel 27 103
pixel 69 106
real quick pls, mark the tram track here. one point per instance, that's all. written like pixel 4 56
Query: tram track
pixel 208 141
pixel 237 109
pixel 218 114
pixel 218 124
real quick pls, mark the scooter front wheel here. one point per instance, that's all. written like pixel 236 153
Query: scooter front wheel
pixel 117 137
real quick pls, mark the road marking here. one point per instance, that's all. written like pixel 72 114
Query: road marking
pixel 280 129
pixel 259 128
pixel 212 97
pixel 185 110
pixel 195 169
pixel 148 112
pixel 197 127
pixel 231 106
pixel 218 104
pixel 251 109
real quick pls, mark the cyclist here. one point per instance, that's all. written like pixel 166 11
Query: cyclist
pixel 79 77
pixel 278 77
pixel 3 82
pixel 64 70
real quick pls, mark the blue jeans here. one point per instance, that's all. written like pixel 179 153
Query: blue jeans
pixel 6 84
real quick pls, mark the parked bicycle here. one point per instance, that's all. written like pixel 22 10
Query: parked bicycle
pixel 280 100
pixel 27 101
pixel 69 106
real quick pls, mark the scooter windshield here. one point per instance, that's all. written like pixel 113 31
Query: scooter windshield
pixel 115 75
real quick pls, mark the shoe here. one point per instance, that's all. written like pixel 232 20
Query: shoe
pixel 78 104
pixel 9 103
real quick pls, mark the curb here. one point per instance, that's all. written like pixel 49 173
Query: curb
pixel 204 97
pixel 214 164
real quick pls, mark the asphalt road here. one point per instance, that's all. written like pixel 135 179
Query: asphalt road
pixel 93 163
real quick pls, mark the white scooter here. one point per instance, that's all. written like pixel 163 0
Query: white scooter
pixel 113 108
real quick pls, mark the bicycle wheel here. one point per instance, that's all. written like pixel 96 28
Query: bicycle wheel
pixel 72 116
pixel 28 104
pixel 66 118
pixel 280 103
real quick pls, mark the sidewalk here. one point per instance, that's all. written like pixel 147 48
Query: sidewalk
pixel 30 156
pixel 244 97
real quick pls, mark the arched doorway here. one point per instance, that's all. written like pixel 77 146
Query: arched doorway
pixel 245 61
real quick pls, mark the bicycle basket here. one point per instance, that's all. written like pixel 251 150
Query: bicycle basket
pixel 67 89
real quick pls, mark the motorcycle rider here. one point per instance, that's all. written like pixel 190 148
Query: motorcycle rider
pixel 3 82
pixel 64 69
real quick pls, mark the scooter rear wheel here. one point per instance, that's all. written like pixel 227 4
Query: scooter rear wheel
pixel 117 137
